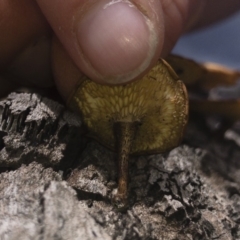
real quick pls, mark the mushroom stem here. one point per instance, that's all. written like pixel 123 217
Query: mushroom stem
pixel 125 132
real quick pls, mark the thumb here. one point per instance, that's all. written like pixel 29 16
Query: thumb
pixel 109 41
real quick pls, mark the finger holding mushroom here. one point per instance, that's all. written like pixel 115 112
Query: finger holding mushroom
pixel 142 117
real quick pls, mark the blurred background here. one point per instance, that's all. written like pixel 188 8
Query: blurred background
pixel 219 43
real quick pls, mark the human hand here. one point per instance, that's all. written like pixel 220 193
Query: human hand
pixel 109 41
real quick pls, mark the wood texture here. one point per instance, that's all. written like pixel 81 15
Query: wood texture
pixel 56 185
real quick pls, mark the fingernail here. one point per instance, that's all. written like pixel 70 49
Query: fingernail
pixel 117 40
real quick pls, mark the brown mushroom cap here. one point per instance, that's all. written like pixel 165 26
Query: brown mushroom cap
pixel 205 76
pixel 157 103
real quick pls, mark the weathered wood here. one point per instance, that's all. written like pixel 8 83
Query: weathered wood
pixel 191 192
pixel 34 128
pixel 36 204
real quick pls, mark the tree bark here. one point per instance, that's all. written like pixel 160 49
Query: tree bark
pixel 56 184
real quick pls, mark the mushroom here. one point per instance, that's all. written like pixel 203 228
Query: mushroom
pixel 209 78
pixel 143 117
pixel 205 76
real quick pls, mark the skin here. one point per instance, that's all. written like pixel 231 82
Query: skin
pixel 28 26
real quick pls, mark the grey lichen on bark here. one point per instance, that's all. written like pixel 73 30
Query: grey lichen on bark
pixel 191 192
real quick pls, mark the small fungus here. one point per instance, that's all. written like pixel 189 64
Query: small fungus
pixel 143 117
pixel 205 76
pixel 204 79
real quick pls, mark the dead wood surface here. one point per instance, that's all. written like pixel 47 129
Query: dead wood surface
pixel 55 184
